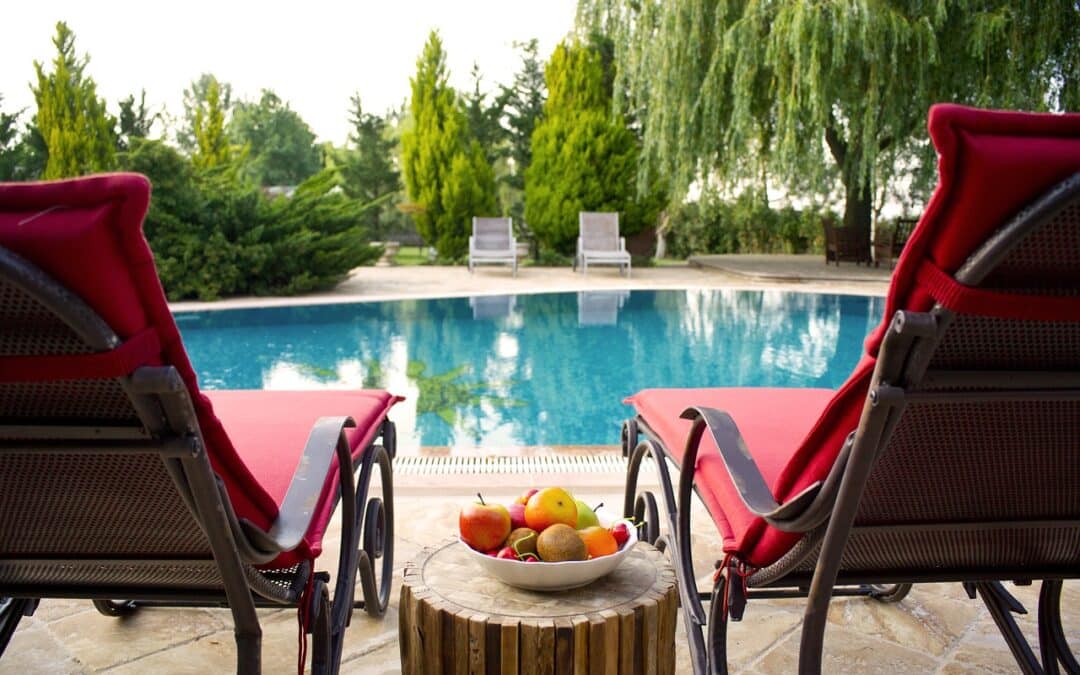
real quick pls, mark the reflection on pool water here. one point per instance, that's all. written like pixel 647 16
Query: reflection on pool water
pixel 547 369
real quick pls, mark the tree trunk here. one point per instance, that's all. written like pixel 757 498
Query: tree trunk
pixel 858 196
pixel 858 208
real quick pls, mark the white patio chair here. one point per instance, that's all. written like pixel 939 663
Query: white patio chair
pixel 492 242
pixel 599 242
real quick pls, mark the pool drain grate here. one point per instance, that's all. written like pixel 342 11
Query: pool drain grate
pixel 411 465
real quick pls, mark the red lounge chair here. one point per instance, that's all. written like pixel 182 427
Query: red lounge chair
pixel 950 454
pixel 120 479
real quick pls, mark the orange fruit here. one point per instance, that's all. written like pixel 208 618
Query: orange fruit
pixel 598 541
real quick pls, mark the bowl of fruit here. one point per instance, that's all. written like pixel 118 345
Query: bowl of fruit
pixel 546 540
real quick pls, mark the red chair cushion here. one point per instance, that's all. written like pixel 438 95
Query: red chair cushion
pixel 772 421
pixel 270 428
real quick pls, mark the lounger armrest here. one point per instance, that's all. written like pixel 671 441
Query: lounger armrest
pixel 744 471
pixel 472 244
pixel 622 243
pixel 327 438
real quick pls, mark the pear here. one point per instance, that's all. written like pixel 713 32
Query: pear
pixel 586 517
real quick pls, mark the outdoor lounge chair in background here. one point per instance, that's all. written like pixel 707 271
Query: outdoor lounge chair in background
pixel 951 452
pixel 845 243
pixel 599 242
pixel 492 243
pixel 119 479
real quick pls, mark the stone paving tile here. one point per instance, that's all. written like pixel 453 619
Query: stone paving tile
pixel 848 651
pixel 34 649
pixel 101 641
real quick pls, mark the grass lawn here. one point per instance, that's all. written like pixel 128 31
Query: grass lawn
pixel 412 255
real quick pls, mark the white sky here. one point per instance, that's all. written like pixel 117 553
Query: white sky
pixel 314 53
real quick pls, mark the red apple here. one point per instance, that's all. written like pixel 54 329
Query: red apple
pixel 621 532
pixel 484 526
pixel 517 516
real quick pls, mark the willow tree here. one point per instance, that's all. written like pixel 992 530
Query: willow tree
pixel 770 90
pixel 71 118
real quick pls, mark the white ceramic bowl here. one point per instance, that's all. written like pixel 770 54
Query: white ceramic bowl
pixel 555 576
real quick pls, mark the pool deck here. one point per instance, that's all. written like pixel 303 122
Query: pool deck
pixel 935 630
pixel 367 284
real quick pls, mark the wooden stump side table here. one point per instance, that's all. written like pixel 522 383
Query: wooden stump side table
pixel 454 618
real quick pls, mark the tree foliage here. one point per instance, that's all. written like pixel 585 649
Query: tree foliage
pixel 211 144
pixel 437 153
pixel 71 120
pixel 739 89
pixel 12 151
pixel 134 121
pixel 368 169
pixel 583 158
pixel 522 104
pixel 195 97
pixel 482 118
pixel 281 146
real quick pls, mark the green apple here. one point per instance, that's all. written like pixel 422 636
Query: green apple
pixel 586 517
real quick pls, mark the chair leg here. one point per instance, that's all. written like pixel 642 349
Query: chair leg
pixel 378 534
pixel 716 656
pixel 889 593
pixel 115 607
pixel 12 610
pixel 1052 643
pixel 1002 606
pixel 321 624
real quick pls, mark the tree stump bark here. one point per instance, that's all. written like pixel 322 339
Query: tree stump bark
pixel 454 618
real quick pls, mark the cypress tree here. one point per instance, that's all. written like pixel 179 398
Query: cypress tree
pixel 583 159
pixel 71 119
pixel 439 135
pixel 211 143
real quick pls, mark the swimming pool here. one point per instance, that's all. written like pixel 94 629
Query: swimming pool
pixel 532 370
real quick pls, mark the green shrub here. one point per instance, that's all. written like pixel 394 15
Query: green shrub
pixel 746 225
pixel 215 234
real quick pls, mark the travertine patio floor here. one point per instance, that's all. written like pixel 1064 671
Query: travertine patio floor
pixel 936 629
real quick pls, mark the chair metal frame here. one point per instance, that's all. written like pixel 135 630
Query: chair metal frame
pixel 168 428
pixel 826 511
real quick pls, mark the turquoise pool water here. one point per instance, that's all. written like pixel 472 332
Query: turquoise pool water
pixel 547 369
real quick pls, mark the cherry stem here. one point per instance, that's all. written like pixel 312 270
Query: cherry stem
pixel 478 496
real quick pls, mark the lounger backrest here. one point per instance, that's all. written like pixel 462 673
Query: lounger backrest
pixel 951 468
pixel 87 503
pixel 85 236
pixel 1004 473
pixel 599 231
pixel 492 234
